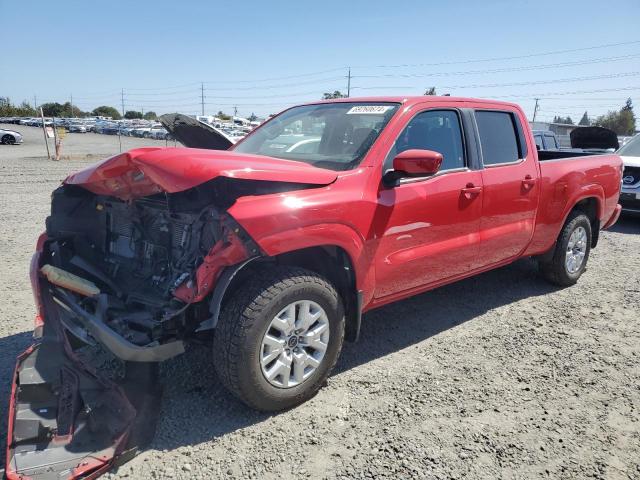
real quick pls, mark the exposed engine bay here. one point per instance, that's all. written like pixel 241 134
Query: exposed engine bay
pixel 136 257
pixel 137 253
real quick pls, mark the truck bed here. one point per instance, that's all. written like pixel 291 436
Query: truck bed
pixel 566 183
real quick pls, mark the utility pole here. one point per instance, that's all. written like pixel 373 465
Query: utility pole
pixel 122 99
pixel 235 112
pixel 44 131
pixel 202 97
pixel 349 83
pixel 535 110
pixel 71 105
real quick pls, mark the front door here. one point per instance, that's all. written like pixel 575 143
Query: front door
pixel 428 227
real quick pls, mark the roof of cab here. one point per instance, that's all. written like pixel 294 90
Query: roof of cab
pixel 412 100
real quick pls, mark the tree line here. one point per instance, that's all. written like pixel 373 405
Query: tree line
pixel 66 110
pixel 623 121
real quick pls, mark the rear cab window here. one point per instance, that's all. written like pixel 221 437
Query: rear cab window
pixel 501 137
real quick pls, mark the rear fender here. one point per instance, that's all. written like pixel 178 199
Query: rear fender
pixel 584 193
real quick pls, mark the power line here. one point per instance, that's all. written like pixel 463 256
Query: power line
pixel 285 95
pixel 500 70
pixel 544 82
pixel 282 85
pixel 288 77
pixel 545 96
pixel 158 100
pixel 495 59
pixel 512 84
pixel 155 94
pixel 341 68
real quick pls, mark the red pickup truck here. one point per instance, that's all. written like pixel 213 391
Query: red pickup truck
pixel 272 250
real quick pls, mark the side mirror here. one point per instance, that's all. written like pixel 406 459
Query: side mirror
pixel 413 163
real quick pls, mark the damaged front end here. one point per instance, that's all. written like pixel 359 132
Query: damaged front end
pixel 133 277
pixel 129 263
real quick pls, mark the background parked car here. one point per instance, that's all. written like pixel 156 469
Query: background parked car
pixel 546 140
pixel 630 192
pixel 10 137
pixel 157 132
pixel 77 127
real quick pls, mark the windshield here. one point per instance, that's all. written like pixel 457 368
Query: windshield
pixel 632 148
pixel 332 135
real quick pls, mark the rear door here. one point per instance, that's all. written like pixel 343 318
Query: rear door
pixel 510 186
pixel 430 225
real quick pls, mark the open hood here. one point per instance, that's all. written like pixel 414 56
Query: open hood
pixel 194 133
pixel 147 171
pixel 594 138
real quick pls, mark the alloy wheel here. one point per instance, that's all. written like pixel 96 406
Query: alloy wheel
pixel 294 344
pixel 576 250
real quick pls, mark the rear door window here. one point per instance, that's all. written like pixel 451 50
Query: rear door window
pixel 550 142
pixel 498 137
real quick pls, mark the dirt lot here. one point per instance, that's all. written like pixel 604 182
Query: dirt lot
pixel 499 376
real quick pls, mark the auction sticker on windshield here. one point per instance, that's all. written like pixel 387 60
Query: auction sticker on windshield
pixel 371 109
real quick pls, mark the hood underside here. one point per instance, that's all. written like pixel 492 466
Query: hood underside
pixel 147 171
pixel 194 133
pixel 594 138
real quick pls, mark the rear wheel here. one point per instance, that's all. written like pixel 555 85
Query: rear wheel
pixel 8 140
pixel 571 252
pixel 278 338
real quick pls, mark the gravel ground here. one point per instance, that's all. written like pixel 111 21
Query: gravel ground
pixel 498 376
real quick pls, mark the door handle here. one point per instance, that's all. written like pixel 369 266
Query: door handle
pixel 471 191
pixel 528 182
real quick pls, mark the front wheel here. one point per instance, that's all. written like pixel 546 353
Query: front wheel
pixel 278 338
pixel 571 251
pixel 8 140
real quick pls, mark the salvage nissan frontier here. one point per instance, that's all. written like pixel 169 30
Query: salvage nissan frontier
pixel 270 250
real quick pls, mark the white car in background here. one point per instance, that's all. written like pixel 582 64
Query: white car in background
pixel 77 127
pixel 157 132
pixel 140 131
pixel 10 137
pixel 630 192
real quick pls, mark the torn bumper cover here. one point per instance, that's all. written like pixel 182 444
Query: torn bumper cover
pixel 133 256
pixel 65 420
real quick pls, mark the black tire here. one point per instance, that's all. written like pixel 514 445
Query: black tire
pixel 8 139
pixel 243 322
pixel 555 269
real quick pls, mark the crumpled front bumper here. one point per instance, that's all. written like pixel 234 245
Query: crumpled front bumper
pixel 68 422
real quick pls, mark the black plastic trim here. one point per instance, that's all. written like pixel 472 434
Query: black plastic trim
pixel 114 342
pixel 220 289
pixel 474 153
pixel 352 333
